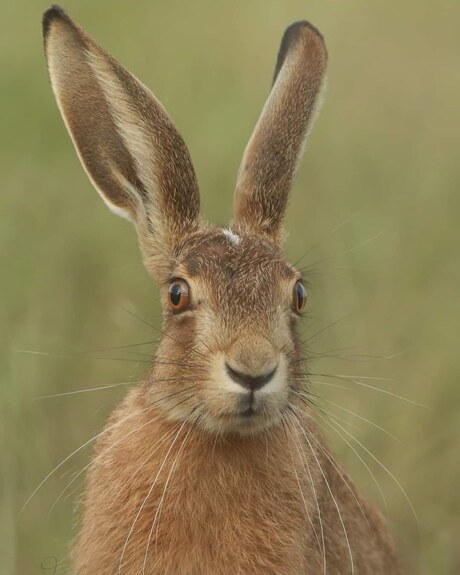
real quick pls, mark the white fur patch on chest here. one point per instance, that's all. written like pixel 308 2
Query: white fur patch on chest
pixel 233 238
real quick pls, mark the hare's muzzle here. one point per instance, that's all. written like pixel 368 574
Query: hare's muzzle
pixel 249 380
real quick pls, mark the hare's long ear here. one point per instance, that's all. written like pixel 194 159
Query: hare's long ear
pixel 125 140
pixel 276 145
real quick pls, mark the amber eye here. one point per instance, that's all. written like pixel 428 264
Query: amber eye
pixel 299 297
pixel 179 295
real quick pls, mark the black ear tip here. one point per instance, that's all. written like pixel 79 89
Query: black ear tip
pixel 291 37
pixel 53 13
pixel 293 30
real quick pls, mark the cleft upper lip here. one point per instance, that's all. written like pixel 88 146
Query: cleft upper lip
pixel 247 406
pixel 250 411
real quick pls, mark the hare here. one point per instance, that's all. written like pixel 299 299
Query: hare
pixel 214 465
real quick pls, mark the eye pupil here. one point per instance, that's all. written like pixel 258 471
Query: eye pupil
pixel 179 295
pixel 175 293
pixel 300 297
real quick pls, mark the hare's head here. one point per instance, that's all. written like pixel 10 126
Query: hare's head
pixel 229 357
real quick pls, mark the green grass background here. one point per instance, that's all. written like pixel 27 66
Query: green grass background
pixel 383 161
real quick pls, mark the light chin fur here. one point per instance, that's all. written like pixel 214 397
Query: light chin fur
pixel 241 425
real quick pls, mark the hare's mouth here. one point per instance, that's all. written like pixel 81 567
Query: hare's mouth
pixel 247 408
pixel 249 421
pixel 249 415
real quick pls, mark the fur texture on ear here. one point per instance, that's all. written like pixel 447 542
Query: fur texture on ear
pixel 124 138
pixel 276 145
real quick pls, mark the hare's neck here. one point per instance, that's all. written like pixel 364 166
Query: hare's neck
pixel 154 444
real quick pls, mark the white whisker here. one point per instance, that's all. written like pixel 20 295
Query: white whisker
pixel 353 379
pixel 383 430
pixel 156 519
pixel 363 243
pixel 357 455
pixel 76 451
pixel 330 492
pixel 77 391
pixel 102 454
pixel 152 486
pixel 341 475
pixel 406 497
pixel 321 544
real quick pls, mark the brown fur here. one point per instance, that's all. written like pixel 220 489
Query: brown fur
pixel 233 506
pixel 194 474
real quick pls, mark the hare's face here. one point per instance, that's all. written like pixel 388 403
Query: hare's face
pixel 234 334
pixel 229 358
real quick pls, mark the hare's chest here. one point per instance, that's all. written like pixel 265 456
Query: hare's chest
pixel 204 511
pixel 214 518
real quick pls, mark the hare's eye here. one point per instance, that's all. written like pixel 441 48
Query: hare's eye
pixel 179 295
pixel 299 297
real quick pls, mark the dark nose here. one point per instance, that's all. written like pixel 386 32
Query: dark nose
pixel 250 382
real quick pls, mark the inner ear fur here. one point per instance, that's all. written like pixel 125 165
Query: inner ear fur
pixel 127 143
pixel 272 155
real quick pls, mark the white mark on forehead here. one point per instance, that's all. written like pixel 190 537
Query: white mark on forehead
pixel 233 238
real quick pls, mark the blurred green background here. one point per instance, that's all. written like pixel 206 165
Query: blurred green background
pixel 375 209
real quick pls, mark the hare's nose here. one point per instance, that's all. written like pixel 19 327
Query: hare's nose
pixel 253 383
